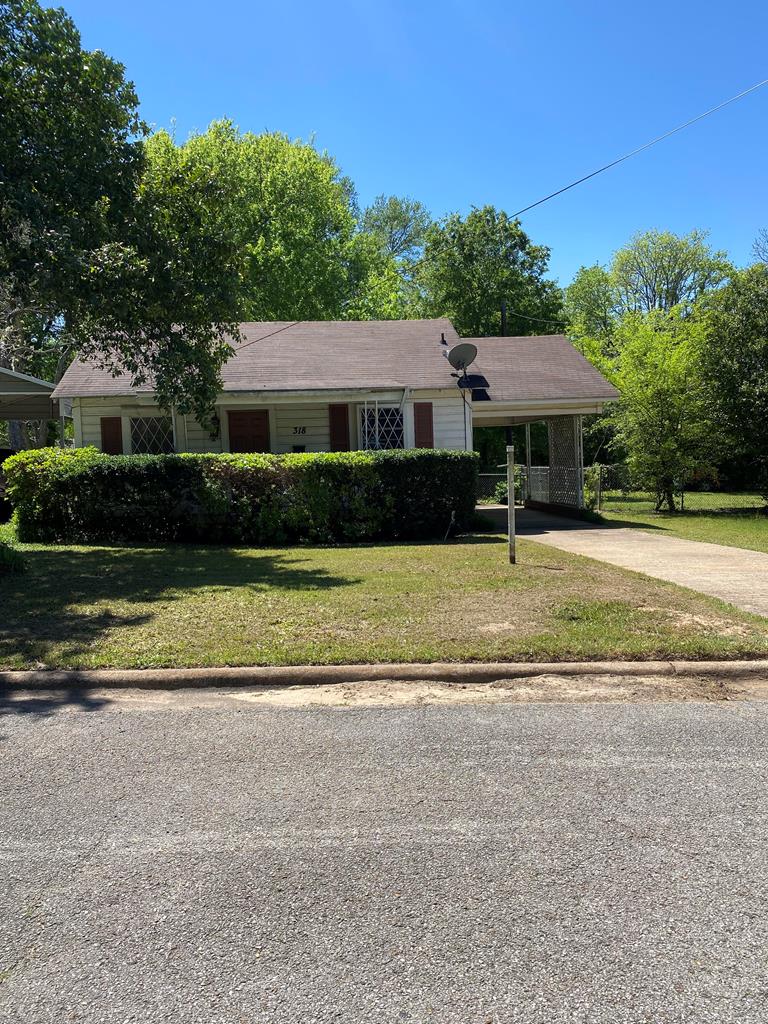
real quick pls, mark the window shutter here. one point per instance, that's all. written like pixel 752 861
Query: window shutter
pixel 112 435
pixel 423 429
pixel 338 420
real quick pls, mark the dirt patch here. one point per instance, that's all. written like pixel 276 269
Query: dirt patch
pixel 537 689
pixel 394 693
pixel 706 622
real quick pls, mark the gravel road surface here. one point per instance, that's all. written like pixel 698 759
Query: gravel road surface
pixel 224 862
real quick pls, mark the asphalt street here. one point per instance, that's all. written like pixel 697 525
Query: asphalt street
pixel 237 864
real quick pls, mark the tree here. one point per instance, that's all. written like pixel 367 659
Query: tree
pixel 662 420
pixel 379 287
pixel 70 161
pixel 400 223
pixel 735 362
pixel 659 270
pixel 474 264
pixel 760 247
pixel 591 303
pixel 284 208
pixel 93 255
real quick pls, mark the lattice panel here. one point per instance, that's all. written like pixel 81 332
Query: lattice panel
pixel 564 461
pixel 382 427
pixel 151 435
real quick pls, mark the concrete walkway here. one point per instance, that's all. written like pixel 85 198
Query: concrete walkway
pixel 732 574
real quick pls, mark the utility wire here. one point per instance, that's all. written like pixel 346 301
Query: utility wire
pixel 640 149
pixel 605 167
pixel 264 337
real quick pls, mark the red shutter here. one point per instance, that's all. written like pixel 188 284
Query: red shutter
pixel 338 420
pixel 112 435
pixel 424 434
pixel 248 430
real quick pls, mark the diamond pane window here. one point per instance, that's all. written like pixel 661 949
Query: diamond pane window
pixel 381 427
pixel 151 435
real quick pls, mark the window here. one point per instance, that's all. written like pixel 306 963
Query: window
pixel 151 435
pixel 381 427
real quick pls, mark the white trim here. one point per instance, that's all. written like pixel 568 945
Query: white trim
pixel 77 420
pixel 125 424
pixel 490 414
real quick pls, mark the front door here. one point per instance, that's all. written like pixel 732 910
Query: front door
pixel 248 430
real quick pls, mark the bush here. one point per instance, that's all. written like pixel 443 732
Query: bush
pixel 501 491
pixel 11 560
pixel 86 496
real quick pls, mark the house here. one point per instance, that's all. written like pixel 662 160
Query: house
pixel 335 386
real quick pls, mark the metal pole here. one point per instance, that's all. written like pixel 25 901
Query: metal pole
pixel 527 493
pixel 511 503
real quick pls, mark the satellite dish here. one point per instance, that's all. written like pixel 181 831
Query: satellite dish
pixel 463 355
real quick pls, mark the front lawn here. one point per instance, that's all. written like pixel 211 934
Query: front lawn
pixel 174 605
pixel 747 529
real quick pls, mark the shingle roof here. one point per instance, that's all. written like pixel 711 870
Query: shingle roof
pixel 347 355
pixel 536 369
pixel 311 355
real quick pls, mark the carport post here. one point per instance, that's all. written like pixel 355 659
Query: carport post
pixel 511 502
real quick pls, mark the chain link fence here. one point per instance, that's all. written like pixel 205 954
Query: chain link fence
pixel 612 489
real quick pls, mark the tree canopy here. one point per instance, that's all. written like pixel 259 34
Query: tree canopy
pixel 662 421
pixel 93 255
pixel 735 364
pixel 656 270
pixel 400 223
pixel 70 162
pixel 473 264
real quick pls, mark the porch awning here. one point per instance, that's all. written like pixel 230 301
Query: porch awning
pixel 25 398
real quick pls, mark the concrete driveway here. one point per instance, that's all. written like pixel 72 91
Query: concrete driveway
pixel 732 574
pixel 163 861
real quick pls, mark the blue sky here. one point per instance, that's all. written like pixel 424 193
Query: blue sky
pixel 460 104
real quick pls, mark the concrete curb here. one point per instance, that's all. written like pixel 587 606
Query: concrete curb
pixel 315 675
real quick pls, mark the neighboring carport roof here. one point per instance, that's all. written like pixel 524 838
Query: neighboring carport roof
pixel 535 369
pixel 23 397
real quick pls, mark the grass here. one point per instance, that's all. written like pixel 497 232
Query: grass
pixel 744 529
pixel 693 502
pixel 176 605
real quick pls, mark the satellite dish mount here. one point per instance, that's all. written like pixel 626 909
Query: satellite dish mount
pixel 460 357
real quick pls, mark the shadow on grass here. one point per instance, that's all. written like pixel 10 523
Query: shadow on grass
pixel 60 608
pixel 663 520
pixel 631 524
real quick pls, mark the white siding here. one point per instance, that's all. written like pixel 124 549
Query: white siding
pixel 448 418
pixel 286 420
pixel 89 411
pixel 301 425
pixel 191 437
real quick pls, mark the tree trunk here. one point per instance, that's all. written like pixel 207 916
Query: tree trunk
pixel 17 435
pixel 665 496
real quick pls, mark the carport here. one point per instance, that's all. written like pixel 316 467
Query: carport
pixel 542 378
pixel 27 398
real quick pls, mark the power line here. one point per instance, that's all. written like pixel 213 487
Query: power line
pixel 271 334
pixel 538 319
pixel 640 149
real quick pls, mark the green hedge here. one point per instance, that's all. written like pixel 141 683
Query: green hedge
pixel 11 560
pixel 85 496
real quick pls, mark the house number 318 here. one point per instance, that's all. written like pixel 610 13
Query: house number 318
pixel 299 430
